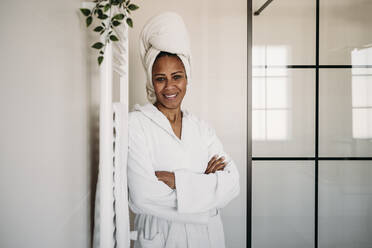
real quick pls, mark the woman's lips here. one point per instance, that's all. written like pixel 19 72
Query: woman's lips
pixel 170 96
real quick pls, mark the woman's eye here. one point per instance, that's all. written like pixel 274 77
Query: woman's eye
pixel 177 77
pixel 160 79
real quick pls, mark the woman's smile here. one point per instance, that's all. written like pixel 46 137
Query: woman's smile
pixel 170 97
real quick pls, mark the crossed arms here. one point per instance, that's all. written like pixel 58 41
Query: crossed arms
pixel 181 191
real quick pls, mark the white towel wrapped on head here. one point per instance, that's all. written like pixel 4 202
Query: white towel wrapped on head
pixel 164 32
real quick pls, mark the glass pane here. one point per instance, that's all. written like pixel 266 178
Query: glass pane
pixel 345 27
pixel 345 116
pixel 345 204
pixel 259 130
pixel 283 204
pixel 259 88
pixel 283 112
pixel 284 33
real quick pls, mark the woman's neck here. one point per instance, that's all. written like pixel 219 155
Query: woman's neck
pixel 173 115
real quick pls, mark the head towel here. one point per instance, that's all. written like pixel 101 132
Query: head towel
pixel 164 32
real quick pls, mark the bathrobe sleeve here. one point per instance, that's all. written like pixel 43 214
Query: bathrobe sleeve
pixel 198 192
pixel 145 190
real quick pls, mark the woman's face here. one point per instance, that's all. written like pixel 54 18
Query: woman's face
pixel 169 80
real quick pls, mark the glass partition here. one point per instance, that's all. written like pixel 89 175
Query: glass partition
pixel 312 104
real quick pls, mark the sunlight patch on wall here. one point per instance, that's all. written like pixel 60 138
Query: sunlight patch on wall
pixel 270 93
pixel 362 94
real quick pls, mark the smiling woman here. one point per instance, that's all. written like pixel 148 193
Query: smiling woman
pixel 179 176
pixel 169 80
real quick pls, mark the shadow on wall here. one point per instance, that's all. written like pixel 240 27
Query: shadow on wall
pixel 94 164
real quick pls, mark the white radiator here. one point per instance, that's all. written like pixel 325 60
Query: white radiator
pixel 111 213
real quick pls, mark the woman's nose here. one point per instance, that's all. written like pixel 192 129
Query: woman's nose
pixel 169 82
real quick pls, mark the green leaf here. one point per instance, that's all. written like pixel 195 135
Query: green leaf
pixel 102 32
pixel 116 23
pixel 97 45
pixel 130 22
pixel 107 7
pixel 101 52
pixel 114 2
pixel 103 17
pixel 85 12
pixel 99 12
pixel 98 29
pixel 114 38
pixel 118 17
pixel 100 59
pixel 133 7
pixel 89 21
pixel 103 24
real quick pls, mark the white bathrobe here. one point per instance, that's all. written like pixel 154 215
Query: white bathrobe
pixel 188 216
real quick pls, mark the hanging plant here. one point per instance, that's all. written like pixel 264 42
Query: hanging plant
pixel 103 11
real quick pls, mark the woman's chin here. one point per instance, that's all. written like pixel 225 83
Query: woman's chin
pixel 170 104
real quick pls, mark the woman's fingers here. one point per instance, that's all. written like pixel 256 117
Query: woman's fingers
pixel 217 167
pixel 210 163
pixel 214 164
pixel 220 167
pixel 213 159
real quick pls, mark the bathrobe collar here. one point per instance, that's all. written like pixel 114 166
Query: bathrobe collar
pixel 154 114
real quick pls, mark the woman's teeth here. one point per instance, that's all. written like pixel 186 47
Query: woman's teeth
pixel 171 96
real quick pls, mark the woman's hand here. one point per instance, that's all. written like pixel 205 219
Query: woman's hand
pixel 166 177
pixel 215 164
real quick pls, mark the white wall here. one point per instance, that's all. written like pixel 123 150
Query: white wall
pixel 218 88
pixel 45 127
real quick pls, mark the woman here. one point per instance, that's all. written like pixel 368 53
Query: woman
pixel 178 174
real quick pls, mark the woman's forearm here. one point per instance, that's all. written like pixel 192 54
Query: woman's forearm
pixel 167 177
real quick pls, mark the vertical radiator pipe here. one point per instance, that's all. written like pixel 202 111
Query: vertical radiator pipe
pixel 106 151
pixel 124 79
